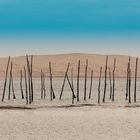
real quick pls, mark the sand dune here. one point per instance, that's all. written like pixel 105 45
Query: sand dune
pixel 59 64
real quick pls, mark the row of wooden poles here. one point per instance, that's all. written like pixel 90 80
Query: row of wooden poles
pixel 29 86
pixel 28 79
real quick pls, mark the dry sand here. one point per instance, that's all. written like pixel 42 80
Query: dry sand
pixel 86 123
pixel 59 64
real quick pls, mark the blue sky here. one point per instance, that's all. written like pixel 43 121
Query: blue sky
pixel 39 20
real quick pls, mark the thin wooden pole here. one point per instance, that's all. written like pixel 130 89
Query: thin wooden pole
pixel 31 73
pixel 91 84
pixel 85 87
pixel 129 84
pixel 78 75
pixel 105 79
pixel 41 84
pixel 73 95
pixel 5 79
pixel 64 81
pixel 52 95
pixel 113 88
pixel 50 82
pixel 26 87
pixel 44 88
pixel 99 86
pixel 127 81
pixel 72 78
pixel 128 76
pixel 110 77
pixel 29 80
pixel 135 86
pixel 10 81
pixel 14 97
pixel 21 84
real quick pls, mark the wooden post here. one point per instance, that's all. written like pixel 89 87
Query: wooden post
pixel 50 82
pixel 31 73
pixel 44 88
pixel 64 81
pixel 14 97
pixel 91 84
pixel 129 86
pixel 105 79
pixel 29 80
pixel 52 95
pixel 78 75
pixel 26 87
pixel 21 84
pixel 10 81
pixel 5 79
pixel 129 82
pixel 41 85
pixel 113 88
pixel 73 95
pixel 99 86
pixel 135 86
pixel 85 88
pixel 110 83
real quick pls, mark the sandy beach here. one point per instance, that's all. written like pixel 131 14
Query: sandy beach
pixel 86 123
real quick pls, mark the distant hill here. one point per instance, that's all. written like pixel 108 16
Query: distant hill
pixel 60 61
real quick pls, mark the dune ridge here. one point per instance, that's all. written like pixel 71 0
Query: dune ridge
pixel 60 61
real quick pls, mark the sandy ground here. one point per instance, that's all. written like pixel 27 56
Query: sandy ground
pixel 85 123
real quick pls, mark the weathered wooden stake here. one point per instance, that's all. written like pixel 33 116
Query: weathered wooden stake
pixel 29 80
pixel 26 87
pixel 85 87
pixel 129 84
pixel 135 86
pixel 99 86
pixel 105 79
pixel 64 81
pixel 14 97
pixel 113 88
pixel 44 88
pixel 41 84
pixel 5 79
pixel 52 95
pixel 31 74
pixel 21 84
pixel 78 75
pixel 73 95
pixel 91 84
pixel 10 81
pixel 110 77
pixel 127 81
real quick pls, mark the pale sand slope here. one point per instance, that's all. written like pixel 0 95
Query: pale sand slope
pixel 59 64
pixel 87 123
